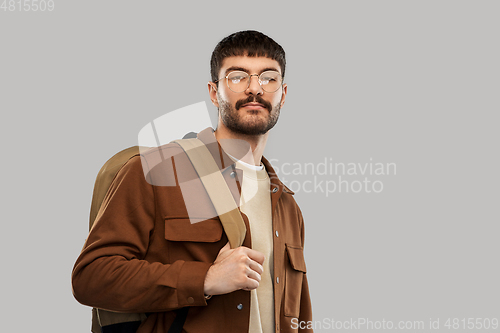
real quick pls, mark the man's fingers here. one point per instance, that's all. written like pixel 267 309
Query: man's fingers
pixel 256 256
pixel 251 284
pixel 252 254
pixel 256 267
pixel 251 274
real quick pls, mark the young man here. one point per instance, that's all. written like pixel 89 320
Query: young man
pixel 147 254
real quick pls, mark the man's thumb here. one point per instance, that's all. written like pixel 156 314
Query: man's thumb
pixel 225 248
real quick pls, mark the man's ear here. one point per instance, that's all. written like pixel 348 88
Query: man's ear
pixel 283 94
pixel 212 92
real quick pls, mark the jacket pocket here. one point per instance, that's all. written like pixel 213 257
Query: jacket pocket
pixel 295 269
pixel 183 230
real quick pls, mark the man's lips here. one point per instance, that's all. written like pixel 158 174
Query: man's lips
pixel 253 106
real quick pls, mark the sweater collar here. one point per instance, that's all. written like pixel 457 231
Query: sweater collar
pixel 223 161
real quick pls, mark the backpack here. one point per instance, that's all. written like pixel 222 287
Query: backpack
pixel 104 321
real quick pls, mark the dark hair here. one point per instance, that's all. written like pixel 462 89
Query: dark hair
pixel 250 43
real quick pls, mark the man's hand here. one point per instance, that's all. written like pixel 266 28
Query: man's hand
pixel 234 269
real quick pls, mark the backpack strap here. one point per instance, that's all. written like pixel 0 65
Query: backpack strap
pixel 217 189
pixel 132 326
pixel 115 322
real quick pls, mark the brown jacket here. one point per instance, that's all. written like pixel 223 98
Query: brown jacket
pixel 144 254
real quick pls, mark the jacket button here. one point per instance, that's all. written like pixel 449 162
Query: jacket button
pixel 277 235
pixel 190 300
pixel 275 190
pixel 239 306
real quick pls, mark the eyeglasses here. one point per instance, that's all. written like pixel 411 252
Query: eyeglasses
pixel 239 81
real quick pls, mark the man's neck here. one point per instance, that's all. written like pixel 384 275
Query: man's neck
pixel 257 143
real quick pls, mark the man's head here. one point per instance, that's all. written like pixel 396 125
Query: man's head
pixel 247 70
pixel 250 43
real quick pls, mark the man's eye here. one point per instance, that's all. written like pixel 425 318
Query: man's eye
pixel 237 79
pixel 266 80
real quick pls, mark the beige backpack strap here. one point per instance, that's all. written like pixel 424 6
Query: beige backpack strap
pixel 217 189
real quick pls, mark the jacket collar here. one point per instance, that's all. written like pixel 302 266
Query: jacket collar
pixel 224 162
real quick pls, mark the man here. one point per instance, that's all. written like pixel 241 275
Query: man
pixel 147 254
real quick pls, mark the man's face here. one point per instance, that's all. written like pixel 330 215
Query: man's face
pixel 253 111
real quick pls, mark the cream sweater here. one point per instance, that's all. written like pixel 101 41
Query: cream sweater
pixel 255 203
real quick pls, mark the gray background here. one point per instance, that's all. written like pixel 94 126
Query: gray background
pixel 408 82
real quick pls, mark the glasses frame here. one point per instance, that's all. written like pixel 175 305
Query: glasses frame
pixel 250 79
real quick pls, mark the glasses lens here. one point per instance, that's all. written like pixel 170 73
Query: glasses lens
pixel 270 81
pixel 237 81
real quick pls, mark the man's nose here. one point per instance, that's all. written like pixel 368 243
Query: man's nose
pixel 254 87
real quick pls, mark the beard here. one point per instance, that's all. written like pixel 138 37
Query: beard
pixel 254 126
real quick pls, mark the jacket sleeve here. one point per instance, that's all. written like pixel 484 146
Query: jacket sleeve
pixel 111 272
pixel 305 299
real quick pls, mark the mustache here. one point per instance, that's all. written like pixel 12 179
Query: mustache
pixel 254 99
